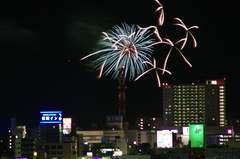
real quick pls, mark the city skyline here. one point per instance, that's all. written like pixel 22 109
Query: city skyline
pixel 42 42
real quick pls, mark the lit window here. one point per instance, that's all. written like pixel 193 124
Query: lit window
pixel 213 118
pixel 213 82
pixel 153 119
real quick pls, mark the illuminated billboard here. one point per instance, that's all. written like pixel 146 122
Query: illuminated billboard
pixel 164 139
pixel 50 116
pixel 196 135
pixel 67 125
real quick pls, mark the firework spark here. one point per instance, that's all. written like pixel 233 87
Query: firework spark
pixel 154 67
pixel 173 45
pixel 151 27
pixel 161 16
pixel 181 24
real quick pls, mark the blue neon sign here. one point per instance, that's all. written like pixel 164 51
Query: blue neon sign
pixel 50 116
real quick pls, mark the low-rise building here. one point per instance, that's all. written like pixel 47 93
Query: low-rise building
pixel 59 150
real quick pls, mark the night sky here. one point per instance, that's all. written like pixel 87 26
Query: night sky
pixel 41 43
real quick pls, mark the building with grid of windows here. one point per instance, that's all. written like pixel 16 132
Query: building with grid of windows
pixel 185 104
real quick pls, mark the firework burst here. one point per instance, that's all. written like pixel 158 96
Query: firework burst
pixel 124 46
pixel 131 47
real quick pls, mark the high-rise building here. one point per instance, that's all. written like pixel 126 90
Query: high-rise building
pixel 50 127
pixel 185 104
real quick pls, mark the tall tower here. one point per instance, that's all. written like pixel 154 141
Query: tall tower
pixel 121 93
pixel 185 104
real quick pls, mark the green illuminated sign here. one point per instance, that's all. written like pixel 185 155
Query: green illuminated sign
pixel 152 131
pixel 196 135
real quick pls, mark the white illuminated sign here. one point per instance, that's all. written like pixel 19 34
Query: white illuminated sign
pixel 164 139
